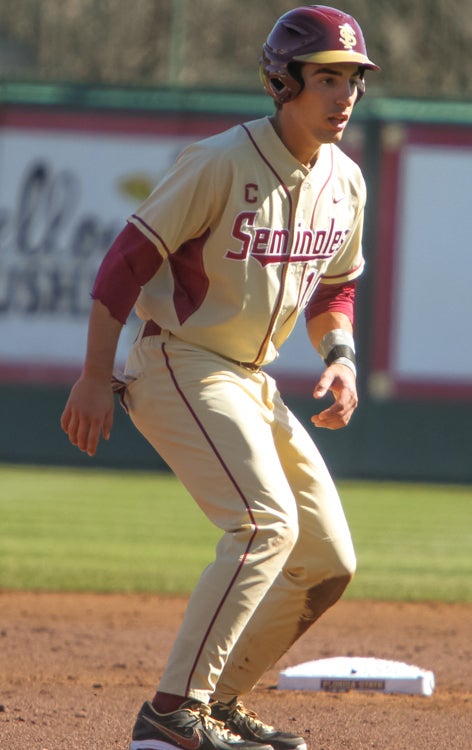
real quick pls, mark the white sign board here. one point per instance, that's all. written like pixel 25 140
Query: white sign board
pixel 434 265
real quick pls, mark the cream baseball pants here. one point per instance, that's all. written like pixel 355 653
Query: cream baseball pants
pixel 285 554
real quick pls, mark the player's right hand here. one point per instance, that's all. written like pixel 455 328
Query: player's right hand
pixel 88 413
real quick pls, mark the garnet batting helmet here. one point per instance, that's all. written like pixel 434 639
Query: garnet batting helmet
pixel 310 33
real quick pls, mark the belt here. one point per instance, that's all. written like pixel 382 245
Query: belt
pixel 153 329
pixel 248 365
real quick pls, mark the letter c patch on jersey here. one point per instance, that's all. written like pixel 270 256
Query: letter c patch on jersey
pixel 250 192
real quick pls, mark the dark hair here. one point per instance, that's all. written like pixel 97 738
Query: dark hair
pixel 295 69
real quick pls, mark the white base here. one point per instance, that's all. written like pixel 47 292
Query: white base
pixel 342 673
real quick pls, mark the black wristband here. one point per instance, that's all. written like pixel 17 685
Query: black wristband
pixel 338 351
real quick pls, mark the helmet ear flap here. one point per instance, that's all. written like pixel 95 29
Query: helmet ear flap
pixel 282 87
pixel 275 86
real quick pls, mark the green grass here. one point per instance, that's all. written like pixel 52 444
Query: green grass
pixel 413 541
pixel 64 529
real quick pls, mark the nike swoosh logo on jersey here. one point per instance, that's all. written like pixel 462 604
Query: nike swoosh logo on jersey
pixel 338 199
pixel 188 743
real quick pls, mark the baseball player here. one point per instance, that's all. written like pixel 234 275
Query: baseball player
pixel 248 229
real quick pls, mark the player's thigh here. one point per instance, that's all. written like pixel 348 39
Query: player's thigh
pixel 211 424
pixel 324 535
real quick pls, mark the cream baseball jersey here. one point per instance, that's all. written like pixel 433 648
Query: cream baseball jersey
pixel 246 233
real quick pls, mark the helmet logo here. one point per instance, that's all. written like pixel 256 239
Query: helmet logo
pixel 347 36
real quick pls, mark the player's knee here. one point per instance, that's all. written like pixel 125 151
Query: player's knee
pixel 340 558
pixel 338 566
pixel 346 565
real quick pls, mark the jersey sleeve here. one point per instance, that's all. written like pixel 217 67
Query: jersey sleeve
pixel 187 202
pixel 333 298
pixel 129 264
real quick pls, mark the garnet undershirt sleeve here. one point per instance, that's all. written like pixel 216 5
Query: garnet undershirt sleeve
pixel 333 298
pixel 130 263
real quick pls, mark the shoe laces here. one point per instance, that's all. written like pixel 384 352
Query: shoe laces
pixel 218 727
pixel 240 712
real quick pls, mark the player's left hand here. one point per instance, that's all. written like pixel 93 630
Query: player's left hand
pixel 341 381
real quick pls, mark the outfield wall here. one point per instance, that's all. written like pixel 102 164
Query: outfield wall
pixel 74 163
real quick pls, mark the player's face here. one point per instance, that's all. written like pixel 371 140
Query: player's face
pixel 320 113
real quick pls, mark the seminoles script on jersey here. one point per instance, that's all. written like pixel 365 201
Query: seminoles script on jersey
pixel 269 245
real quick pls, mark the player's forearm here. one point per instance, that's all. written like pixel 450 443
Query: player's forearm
pixel 103 334
pixel 322 324
pixel 332 336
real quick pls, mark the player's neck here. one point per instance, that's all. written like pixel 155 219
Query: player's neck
pixel 306 152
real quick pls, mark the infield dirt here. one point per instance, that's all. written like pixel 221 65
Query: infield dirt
pixel 75 668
